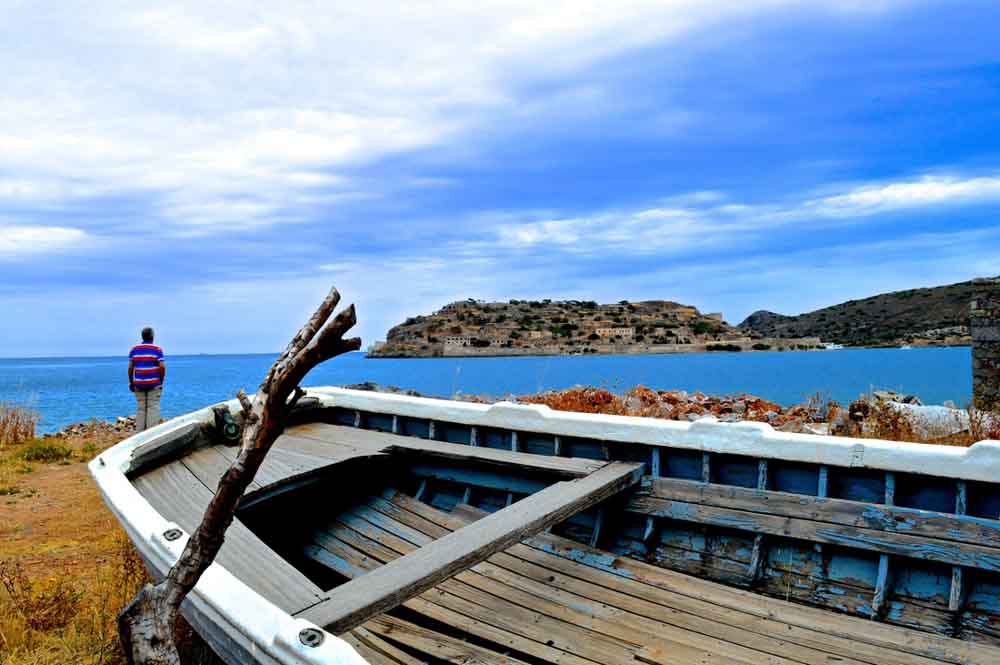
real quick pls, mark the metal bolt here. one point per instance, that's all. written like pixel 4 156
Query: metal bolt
pixel 311 637
pixel 172 534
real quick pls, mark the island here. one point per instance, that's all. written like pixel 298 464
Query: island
pixel 571 327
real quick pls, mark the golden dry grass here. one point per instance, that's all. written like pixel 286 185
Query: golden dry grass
pixel 66 567
pixel 17 424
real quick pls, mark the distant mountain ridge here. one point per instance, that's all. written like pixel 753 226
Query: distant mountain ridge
pixel 922 317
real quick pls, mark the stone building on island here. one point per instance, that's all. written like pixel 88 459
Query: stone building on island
pixel 546 327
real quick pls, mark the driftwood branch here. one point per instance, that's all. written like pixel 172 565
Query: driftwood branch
pixel 146 625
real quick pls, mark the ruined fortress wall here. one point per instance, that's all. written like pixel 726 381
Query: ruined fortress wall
pixel 985 328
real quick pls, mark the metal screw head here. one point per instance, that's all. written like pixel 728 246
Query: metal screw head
pixel 172 534
pixel 311 637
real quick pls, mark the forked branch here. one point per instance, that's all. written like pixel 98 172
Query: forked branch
pixel 146 625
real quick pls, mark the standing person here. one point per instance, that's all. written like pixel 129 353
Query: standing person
pixel 146 373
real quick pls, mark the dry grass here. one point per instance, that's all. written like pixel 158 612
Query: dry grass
pixel 17 424
pixel 66 568
pixel 869 418
pixel 64 616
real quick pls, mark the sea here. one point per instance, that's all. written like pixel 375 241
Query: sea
pixel 70 390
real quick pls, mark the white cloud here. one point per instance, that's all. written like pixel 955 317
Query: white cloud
pixel 706 220
pixel 17 242
pixel 203 104
pixel 927 191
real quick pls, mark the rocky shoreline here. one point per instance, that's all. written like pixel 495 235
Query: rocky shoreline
pixel 882 414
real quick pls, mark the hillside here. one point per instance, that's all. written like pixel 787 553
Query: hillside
pixel 920 317
pixel 547 327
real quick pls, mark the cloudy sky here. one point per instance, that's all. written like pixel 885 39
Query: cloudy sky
pixel 212 168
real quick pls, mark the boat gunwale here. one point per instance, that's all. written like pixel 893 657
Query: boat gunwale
pixel 977 462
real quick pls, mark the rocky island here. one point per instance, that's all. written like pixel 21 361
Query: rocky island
pixel 548 327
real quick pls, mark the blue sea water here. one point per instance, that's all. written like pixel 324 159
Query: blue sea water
pixel 68 390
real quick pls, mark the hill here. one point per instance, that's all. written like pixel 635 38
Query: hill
pixel 547 327
pixel 921 317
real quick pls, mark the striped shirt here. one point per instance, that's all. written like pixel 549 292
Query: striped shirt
pixel 146 373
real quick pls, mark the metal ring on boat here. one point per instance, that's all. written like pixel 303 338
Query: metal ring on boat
pixel 311 637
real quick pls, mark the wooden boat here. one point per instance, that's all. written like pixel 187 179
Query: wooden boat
pixel 396 530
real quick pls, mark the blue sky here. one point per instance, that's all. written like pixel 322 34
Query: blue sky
pixel 211 171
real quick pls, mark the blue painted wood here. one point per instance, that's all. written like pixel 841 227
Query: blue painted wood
pixel 538 444
pixel 734 470
pixel 421 490
pixel 926 493
pixel 414 427
pixel 882 582
pixel 598 523
pixel 983 500
pixel 586 448
pixel 452 433
pixel 474 436
pixel 557 446
pixel 758 554
pixel 654 467
pixel 380 422
pixel 494 438
pixel 480 478
pixel 856 484
pixel 396 425
pixel 846 536
pixel 957 590
pixel 683 464
pixel 706 467
pixel 793 477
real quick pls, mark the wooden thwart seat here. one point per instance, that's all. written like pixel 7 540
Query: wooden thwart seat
pixel 553 599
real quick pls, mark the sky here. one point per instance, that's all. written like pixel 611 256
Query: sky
pixel 211 169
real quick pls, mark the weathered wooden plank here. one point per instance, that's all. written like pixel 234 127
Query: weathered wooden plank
pixel 435 644
pixel 584 634
pixel 209 464
pixel 622 615
pixel 358 600
pixel 552 576
pixel 957 590
pixel 758 554
pixel 883 581
pixel 527 633
pixel 968 555
pixel 911 521
pixel 568 467
pixel 177 494
pixel 165 447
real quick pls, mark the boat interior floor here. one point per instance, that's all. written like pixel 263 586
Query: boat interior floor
pixel 547 599
pixel 553 600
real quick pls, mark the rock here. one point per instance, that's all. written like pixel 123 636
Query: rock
pixel 793 426
pixel 740 407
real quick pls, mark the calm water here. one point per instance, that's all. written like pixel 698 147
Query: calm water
pixel 67 390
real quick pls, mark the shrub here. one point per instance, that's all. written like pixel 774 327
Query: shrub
pixel 41 451
pixel 17 424
pixel 703 327
pixel 760 346
pixel 723 347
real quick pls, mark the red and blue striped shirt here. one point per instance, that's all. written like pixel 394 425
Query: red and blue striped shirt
pixel 146 373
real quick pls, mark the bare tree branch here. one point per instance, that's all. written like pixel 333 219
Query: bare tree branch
pixel 146 625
